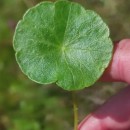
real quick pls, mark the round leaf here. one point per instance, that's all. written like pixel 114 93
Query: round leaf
pixel 62 43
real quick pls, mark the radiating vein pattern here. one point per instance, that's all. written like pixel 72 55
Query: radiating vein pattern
pixel 62 43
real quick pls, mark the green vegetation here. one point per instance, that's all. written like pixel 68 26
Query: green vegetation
pixel 61 42
pixel 25 105
pixel 64 43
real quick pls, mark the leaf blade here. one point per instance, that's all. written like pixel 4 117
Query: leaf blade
pixel 61 42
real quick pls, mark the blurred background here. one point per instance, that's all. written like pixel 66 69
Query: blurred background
pixel 25 105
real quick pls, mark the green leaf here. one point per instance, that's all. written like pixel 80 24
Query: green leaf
pixel 62 42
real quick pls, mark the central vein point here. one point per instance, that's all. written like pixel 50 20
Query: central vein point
pixel 63 48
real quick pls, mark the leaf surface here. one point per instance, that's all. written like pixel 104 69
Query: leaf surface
pixel 62 43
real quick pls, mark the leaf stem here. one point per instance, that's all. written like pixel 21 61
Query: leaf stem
pixel 75 109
